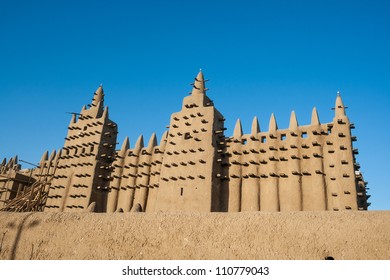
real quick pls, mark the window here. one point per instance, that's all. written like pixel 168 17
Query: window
pixel 187 136
pixel 263 139
pixel 181 191
pixel 304 135
pixel 283 137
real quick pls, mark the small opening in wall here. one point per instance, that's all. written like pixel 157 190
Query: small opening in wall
pixel 92 147
pixel 329 258
pixel 85 128
pixel 263 139
pixel 181 191
pixel 187 136
pixel 283 137
pixel 304 135
pixel 329 130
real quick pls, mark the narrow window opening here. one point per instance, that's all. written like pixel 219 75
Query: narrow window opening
pixel 181 191
pixel 304 135
pixel 263 139
pixel 283 137
pixel 85 128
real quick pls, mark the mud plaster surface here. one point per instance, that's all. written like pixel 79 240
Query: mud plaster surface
pixel 256 235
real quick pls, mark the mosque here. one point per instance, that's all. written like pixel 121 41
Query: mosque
pixel 194 166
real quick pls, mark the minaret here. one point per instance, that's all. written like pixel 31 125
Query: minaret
pixel 341 160
pixel 191 175
pixel 83 171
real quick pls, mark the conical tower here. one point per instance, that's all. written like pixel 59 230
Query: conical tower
pixel 84 168
pixel 191 174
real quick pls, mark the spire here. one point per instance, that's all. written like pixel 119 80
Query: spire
pixel 255 126
pixel 105 113
pixel 199 84
pixel 124 148
pixel 126 144
pixel 152 142
pixel 58 155
pixel 293 121
pixel 315 120
pixel 98 96
pixel 44 158
pixel 339 108
pixel 273 126
pixel 238 130
pixel 10 163
pixel 52 155
pixel 163 140
pixel 15 159
pixel 140 143
pixel 4 162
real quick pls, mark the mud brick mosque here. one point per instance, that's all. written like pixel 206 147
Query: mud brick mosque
pixel 194 167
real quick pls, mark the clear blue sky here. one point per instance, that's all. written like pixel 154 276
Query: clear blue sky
pixel 260 56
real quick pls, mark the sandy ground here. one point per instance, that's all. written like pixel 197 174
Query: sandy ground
pixel 259 235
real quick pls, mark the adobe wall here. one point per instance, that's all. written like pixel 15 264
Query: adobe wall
pixel 255 235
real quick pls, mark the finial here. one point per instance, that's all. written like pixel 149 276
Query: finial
pixel 126 144
pixel 255 126
pixel 273 126
pixel 293 121
pixel 315 120
pixel 152 142
pixel 238 130
pixel 44 158
pixel 98 96
pixel 140 143
pixel 339 108
pixel 199 84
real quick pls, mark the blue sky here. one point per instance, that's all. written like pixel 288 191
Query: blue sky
pixel 261 57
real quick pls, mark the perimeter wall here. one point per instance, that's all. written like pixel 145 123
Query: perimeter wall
pixel 255 235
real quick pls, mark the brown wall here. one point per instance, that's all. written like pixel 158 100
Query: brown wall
pixel 250 235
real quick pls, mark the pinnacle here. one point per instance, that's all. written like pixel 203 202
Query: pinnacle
pixel 272 124
pixel 339 108
pixel 238 130
pixel 98 96
pixel 199 84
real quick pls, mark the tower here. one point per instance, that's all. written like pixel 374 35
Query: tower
pixel 83 172
pixel 190 170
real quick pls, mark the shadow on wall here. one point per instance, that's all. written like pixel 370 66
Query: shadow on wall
pixel 19 231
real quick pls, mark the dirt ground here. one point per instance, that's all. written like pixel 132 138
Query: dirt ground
pixel 255 235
